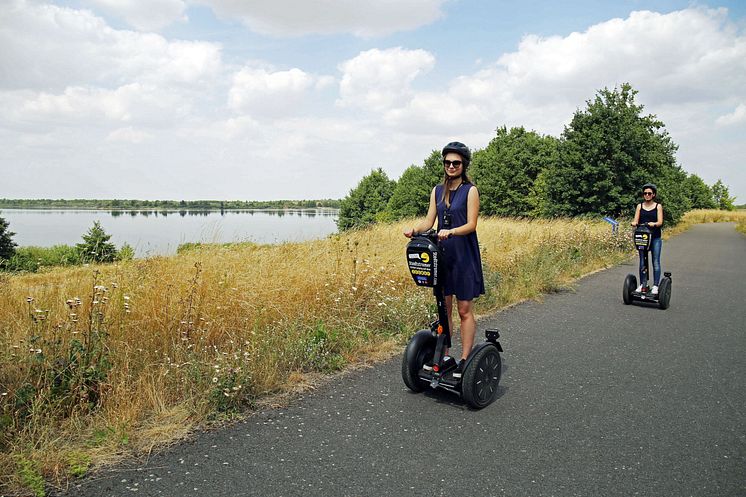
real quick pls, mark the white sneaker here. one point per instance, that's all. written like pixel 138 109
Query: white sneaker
pixel 639 289
pixel 655 290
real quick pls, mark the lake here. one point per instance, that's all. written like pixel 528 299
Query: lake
pixel 161 232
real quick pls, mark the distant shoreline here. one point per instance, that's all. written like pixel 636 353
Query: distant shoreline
pixel 160 209
pixel 168 205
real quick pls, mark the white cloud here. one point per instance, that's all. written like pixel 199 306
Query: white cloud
pixel 129 135
pixel 144 16
pixel 47 47
pixel 676 55
pixel 84 107
pixel 262 91
pixel 738 116
pixel 683 58
pixel 380 79
pixel 361 18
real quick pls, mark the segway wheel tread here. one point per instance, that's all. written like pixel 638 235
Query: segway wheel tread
pixel 664 293
pixel 482 377
pixel 630 283
pixel 420 349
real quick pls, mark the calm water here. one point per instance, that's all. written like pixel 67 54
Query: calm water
pixel 160 233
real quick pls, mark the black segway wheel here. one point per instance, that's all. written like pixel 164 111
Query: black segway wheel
pixel 420 349
pixel 664 293
pixel 630 283
pixel 482 377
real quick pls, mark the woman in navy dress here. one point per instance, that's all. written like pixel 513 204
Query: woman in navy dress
pixel 455 204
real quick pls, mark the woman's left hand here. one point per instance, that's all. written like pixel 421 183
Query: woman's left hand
pixel 443 234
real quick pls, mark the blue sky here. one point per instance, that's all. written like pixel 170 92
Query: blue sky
pixel 274 99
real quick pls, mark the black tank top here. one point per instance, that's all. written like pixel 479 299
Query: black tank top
pixel 650 216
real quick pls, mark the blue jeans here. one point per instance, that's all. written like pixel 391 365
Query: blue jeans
pixel 655 249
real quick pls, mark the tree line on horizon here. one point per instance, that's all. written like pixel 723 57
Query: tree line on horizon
pixel 133 204
pixel 595 168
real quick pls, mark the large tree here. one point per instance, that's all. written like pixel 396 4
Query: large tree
pixel 7 245
pixel 673 194
pixel 700 195
pixel 606 153
pixel 366 202
pixel 505 171
pixel 411 195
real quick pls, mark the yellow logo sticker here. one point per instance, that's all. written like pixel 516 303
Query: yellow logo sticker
pixel 425 257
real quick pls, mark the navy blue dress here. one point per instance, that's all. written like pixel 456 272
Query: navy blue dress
pixel 462 261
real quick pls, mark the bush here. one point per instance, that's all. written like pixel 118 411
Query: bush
pixel 126 253
pixel 32 258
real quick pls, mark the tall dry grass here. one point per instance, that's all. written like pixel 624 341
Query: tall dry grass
pixel 712 216
pixel 99 361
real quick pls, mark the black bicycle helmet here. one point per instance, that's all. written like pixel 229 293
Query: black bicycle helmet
pixel 651 186
pixel 459 148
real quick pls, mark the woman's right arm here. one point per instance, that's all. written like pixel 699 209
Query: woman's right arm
pixel 428 222
pixel 637 216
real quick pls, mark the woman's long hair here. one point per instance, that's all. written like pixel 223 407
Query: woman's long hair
pixel 446 195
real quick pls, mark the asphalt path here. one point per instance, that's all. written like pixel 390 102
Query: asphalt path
pixel 597 399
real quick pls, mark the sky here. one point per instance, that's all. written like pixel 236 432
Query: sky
pixel 300 99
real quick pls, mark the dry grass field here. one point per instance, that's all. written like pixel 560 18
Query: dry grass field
pixel 102 361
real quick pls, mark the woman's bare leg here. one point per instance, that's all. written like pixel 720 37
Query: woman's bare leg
pixel 449 309
pixel 468 326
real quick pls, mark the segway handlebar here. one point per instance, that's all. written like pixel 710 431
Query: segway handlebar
pixel 430 234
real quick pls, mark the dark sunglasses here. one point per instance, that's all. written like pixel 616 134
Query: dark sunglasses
pixel 454 163
pixel 647 193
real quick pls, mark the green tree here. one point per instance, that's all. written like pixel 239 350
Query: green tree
pixel 699 194
pixel 366 202
pixel 96 246
pixel 411 195
pixel 606 153
pixel 7 245
pixel 673 194
pixel 722 197
pixel 505 171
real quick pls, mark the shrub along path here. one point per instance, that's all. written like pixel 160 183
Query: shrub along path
pixel 598 398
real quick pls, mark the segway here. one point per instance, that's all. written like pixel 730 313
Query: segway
pixel 425 362
pixel 643 239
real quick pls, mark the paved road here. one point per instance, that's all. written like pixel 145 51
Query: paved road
pixel 597 399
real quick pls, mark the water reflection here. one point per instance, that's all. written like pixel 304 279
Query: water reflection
pixel 311 213
pixel 156 232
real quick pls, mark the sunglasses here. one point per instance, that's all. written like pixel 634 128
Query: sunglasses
pixel 647 193
pixel 452 163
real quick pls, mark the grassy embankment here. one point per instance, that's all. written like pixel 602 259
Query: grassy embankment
pixel 711 216
pixel 101 361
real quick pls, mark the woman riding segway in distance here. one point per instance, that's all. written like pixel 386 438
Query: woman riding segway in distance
pixel 650 213
pixel 455 205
